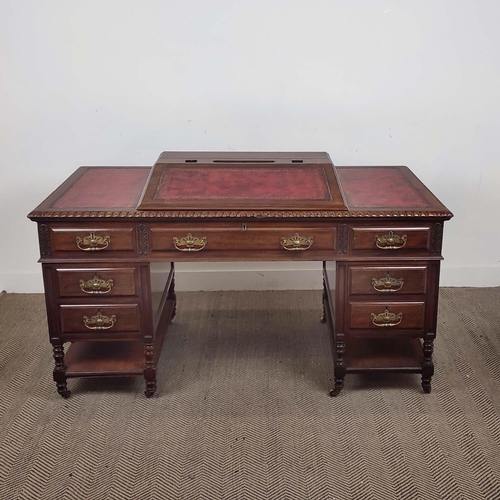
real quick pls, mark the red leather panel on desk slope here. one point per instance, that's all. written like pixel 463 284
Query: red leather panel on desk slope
pixel 379 187
pixel 242 183
pixel 105 188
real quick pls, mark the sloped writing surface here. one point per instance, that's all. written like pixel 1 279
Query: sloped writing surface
pixel 241 183
pixel 238 185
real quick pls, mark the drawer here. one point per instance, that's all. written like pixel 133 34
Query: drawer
pixel 386 317
pixel 387 280
pixel 292 239
pixel 99 320
pixel 390 239
pixel 89 241
pixel 97 282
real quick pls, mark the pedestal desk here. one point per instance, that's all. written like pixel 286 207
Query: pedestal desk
pixel 377 230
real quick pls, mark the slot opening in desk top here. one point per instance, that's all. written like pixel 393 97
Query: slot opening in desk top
pixel 242 161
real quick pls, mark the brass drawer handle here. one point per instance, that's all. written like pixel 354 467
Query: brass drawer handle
pixel 390 241
pixel 388 283
pixel 92 242
pixel 297 242
pixel 190 243
pixel 96 286
pixel 99 321
pixel 386 318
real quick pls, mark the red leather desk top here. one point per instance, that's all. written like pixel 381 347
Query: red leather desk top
pixel 307 185
pixel 382 188
pixel 103 187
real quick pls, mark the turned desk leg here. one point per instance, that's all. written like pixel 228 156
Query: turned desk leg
pixel 149 371
pixel 325 298
pixel 427 365
pixel 59 372
pixel 171 293
pixel 339 369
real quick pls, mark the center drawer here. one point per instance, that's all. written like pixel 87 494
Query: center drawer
pixel 290 239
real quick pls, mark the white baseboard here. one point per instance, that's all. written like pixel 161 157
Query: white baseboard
pixel 476 276
pixel 21 282
pixel 296 279
pixel 254 276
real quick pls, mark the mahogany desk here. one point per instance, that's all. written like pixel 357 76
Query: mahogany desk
pixel 378 231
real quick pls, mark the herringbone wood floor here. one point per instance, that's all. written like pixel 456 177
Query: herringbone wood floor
pixel 242 410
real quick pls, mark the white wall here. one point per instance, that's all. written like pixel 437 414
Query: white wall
pixel 115 82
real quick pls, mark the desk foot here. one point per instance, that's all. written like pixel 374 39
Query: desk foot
pixel 335 392
pixel 426 385
pixel 339 385
pixel 150 388
pixel 63 390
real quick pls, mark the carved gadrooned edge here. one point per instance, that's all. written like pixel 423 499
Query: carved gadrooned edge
pixel 343 238
pixel 142 234
pixel 237 214
pixel 437 237
pixel 44 240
